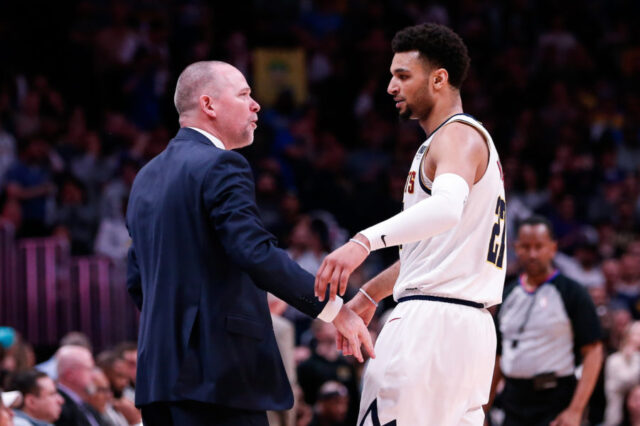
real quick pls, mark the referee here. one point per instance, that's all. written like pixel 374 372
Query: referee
pixel 546 326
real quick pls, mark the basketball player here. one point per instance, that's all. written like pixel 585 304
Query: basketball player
pixel 435 354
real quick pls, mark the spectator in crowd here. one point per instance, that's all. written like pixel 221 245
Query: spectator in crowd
pixel 75 216
pixel 112 238
pixel 99 401
pixel 546 325
pixel 632 407
pixel 285 338
pixel 611 272
pixel 75 365
pixel 326 364
pixel 583 266
pixel 620 321
pixel 29 180
pixel 602 303
pixel 73 338
pixel 622 373
pixel 90 165
pixel 10 212
pixel 309 243
pixel 128 351
pixel 628 289
pixel 7 152
pixel 332 405
pixel 6 414
pixel 98 396
pixel 16 356
pixel 116 192
pixel 8 337
pixel 41 403
pixel 115 369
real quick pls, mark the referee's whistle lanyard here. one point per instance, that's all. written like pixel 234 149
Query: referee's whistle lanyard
pixel 514 343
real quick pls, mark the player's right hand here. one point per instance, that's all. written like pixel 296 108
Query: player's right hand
pixel 351 327
pixel 336 269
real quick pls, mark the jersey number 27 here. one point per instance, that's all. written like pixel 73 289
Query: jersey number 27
pixel 497 242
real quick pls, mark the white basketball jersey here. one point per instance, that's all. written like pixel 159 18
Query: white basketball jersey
pixel 468 261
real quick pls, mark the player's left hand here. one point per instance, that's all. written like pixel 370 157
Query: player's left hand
pixel 365 310
pixel 336 269
pixel 568 417
pixel 351 326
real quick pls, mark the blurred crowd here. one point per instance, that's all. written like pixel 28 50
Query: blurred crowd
pixel 70 388
pixel 86 93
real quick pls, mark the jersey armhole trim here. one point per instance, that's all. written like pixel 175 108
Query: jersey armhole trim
pixel 484 138
pixel 423 185
pixel 454 119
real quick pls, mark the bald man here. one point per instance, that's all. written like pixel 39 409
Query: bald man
pixel 201 263
pixel 75 364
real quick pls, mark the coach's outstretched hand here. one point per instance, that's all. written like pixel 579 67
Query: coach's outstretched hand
pixel 337 267
pixel 351 327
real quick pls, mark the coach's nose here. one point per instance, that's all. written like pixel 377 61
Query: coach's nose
pixel 255 106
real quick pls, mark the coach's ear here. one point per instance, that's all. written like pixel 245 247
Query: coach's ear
pixel 206 105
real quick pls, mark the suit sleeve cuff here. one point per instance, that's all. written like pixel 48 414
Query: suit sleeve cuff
pixel 331 309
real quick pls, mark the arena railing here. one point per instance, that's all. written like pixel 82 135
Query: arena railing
pixel 46 292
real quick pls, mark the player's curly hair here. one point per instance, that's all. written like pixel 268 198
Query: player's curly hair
pixel 439 46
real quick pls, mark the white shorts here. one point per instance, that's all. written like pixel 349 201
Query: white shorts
pixel 433 366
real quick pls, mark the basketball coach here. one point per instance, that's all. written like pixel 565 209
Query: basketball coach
pixel 201 264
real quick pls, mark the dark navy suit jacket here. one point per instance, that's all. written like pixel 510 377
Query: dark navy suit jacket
pixel 73 414
pixel 200 265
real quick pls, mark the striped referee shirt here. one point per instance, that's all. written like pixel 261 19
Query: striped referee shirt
pixel 542 331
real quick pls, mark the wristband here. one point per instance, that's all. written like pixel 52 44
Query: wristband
pixel 364 246
pixel 361 290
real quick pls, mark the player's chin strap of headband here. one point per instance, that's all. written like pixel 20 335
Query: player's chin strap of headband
pixel 429 217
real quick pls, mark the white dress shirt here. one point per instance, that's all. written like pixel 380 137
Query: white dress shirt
pixel 217 142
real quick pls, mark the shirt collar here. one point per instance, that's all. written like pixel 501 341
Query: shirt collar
pixel 215 141
pixel 21 414
pixel 550 278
